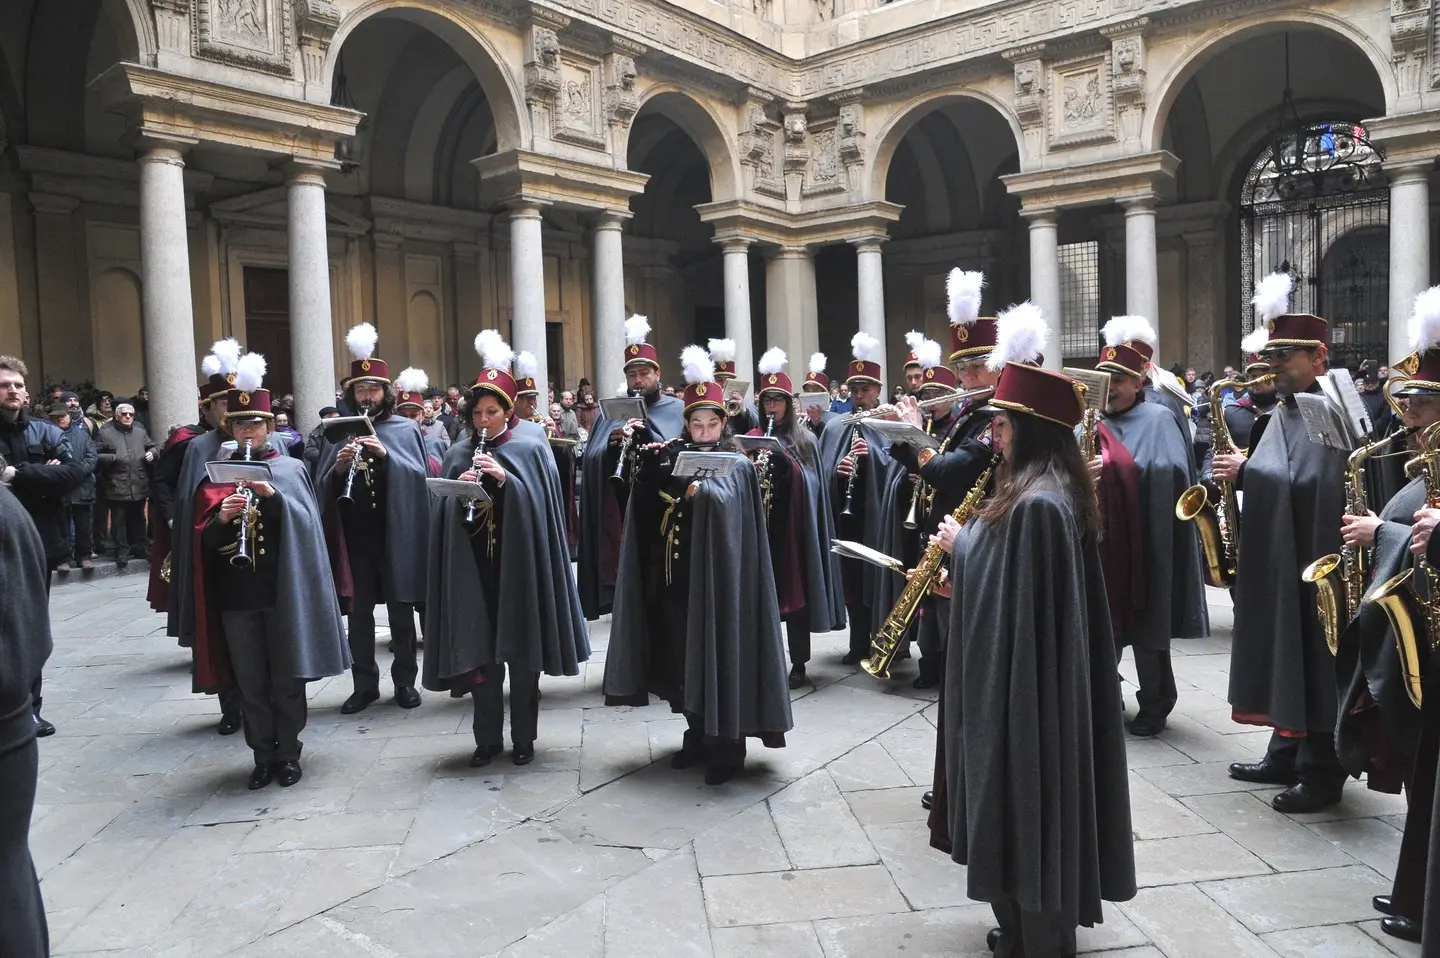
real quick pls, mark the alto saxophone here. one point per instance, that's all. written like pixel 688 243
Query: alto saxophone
pixel 887 640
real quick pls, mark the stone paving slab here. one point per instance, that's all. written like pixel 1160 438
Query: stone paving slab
pixel 148 842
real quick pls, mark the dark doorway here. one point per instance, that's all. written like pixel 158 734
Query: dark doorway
pixel 555 359
pixel 267 324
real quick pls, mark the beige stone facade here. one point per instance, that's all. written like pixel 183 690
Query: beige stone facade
pixel 781 171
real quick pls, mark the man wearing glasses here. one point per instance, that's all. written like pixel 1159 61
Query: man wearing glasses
pixel 126 452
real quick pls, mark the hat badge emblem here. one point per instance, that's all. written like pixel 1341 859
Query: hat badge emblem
pixel 962 334
pixel 929 374
pixel 700 390
pixel 634 350
pixel 1110 354
pixel 859 366
pixel 230 378
pixel 1270 326
pixel 490 375
pixel 365 365
pixel 774 379
pixel 244 399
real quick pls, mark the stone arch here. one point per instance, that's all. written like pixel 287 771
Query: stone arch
pixel 904 117
pixel 473 46
pixel 69 44
pixel 1241 29
pixel 702 125
pixel 138 44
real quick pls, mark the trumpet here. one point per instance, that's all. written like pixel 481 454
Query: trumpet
pixel 945 399
pixel 242 558
pixel 347 495
pixel 479 451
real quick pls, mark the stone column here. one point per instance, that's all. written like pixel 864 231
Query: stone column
pixel 1202 305
pixel 312 328
pixel 527 285
pixel 737 305
pixel 789 299
pixel 1409 246
pixel 1045 278
pixel 871 273
pixel 608 282
pixel 1142 279
pixel 170 368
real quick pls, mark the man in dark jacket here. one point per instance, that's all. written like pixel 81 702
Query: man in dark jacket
pixel 315 441
pixel 81 501
pixel 24 647
pixel 125 456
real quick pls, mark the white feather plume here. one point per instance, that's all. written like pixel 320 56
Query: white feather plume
pixel 722 350
pixel 1255 341
pixel 526 365
pixel 249 372
pixel 697 365
pixel 1425 321
pixel 927 353
pixel 637 327
pixel 817 362
pixel 1020 336
pixel 962 293
pixel 864 347
pixel 494 352
pixel 227 351
pixel 623 389
pixel 210 365
pixel 361 341
pixel 1272 295
pixel 773 361
pixel 412 380
pixel 913 339
pixel 1129 329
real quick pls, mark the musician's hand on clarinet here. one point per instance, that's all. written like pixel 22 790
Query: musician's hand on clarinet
pixel 814 412
pixel 261 488
pixel 469 475
pixel 1425 521
pixel 1359 530
pixel 845 467
pixel 944 537
pixel 908 410
pixel 1095 465
pixel 346 454
pixel 373 445
pixel 859 447
pixel 231 506
pixel 491 467
pixel 1227 467
pixel 617 435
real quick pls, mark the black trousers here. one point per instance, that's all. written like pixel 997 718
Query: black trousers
pixel 26 934
pixel 82 517
pixel 127 529
pixel 797 636
pixel 934 627
pixel 101 520
pixel 1407 897
pixel 1031 934
pixel 272 700
pixel 1312 757
pixel 368 577
pixel 720 751
pixel 860 627
pixel 489 698
pixel 1156 675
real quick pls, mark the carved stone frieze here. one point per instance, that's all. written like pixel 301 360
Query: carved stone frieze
pixel 258 34
pixel 1081 107
pixel 576 117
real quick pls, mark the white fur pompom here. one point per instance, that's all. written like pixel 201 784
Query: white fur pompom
pixel 1425 321
pixel 1020 336
pixel 227 351
pixel 210 365
pixel 927 353
pixel 773 361
pixel 962 293
pixel 361 340
pixel 412 380
pixel 1255 341
pixel 1272 295
pixel 494 352
pixel 637 327
pixel 863 346
pixel 1129 329
pixel 817 362
pixel 913 339
pixel 250 372
pixel 697 365
pixel 722 350
pixel 526 365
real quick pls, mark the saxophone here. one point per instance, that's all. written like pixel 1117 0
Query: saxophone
pixel 1399 597
pixel 887 640
pixel 765 473
pixel 1343 573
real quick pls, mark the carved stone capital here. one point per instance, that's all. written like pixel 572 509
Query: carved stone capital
pixel 1029 84
pixel 542 65
pixel 621 103
pixel 1127 68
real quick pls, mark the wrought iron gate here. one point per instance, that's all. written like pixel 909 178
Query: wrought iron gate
pixel 1327 224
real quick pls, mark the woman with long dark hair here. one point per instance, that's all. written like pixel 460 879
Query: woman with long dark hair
pixel 696 621
pixel 1038 795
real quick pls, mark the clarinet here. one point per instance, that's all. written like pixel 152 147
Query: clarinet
pixel 347 496
pixel 479 451
pixel 850 482
pixel 242 558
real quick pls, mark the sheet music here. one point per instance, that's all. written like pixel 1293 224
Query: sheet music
pixel 227 471
pixel 815 399
pixel 1097 386
pixel 622 408
pixel 856 550
pixel 1348 398
pixel 457 489
pixel 750 444
pixel 1322 422
pixel 737 387
pixel 903 433
pixel 705 465
pixel 343 427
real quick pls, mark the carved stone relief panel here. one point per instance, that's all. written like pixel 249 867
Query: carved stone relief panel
pixel 826 170
pixel 252 33
pixel 1081 109
pixel 759 153
pixel 577 114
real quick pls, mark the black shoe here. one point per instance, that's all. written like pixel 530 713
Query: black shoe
pixel 797 677
pixel 927 800
pixel 260 777
pixel 1264 772
pixel 43 729
pixel 992 938
pixel 407 697
pixel 1304 797
pixel 358 702
pixel 927 679
pixel 287 773
pixel 523 754
pixel 64 567
pixel 1382 904
pixel 230 723
pixel 1402 928
pixel 1147 724
pixel 853 658
pixel 484 754
pixel 719 773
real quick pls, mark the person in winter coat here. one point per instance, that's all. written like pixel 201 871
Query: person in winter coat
pixel 126 452
pixel 80 505
pixel 315 441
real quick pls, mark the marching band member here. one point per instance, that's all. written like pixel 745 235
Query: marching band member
pixel 514 547
pixel 379 532
pixel 696 620
pixel 1162 387
pixel 856 466
pixel 527 410
pixel 267 620
pixel 410 388
pixel 1422 833
pixel 797 520
pixel 743 416
pixel 817 416
pixel 1294 497
pixel 1045 834
pixel 914 369
pixel 609 452
pixel 1162 595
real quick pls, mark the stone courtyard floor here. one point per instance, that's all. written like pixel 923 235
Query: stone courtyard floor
pixel 148 842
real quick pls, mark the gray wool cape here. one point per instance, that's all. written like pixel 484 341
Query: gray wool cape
pixel 666 419
pixel 735 661
pixel 538 626
pixel 204 448
pixel 824 590
pixel 1281 670
pixel 870 490
pixel 1174 584
pixel 305 603
pixel 1367 662
pixel 1039 798
pixel 406 504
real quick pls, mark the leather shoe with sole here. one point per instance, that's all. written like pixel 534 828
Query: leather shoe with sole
pixel 992 938
pixel 43 728
pixel 287 773
pixel 1147 725
pixel 259 777
pixel 484 754
pixel 1382 904
pixel 852 658
pixel 1304 797
pixel 358 702
pixel 407 697
pixel 523 754
pixel 797 677
pixel 1402 928
pixel 927 800
pixel 719 773
pixel 1263 772
pixel 230 723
